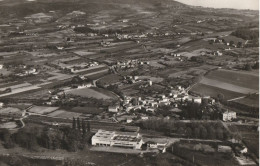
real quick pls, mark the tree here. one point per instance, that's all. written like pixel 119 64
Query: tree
pixel 231 42
pixel 196 132
pixel 74 123
pixel 83 127
pixel 88 126
pixel 78 123
pixel 219 133
pixel 189 132
pixel 248 67
pixel 203 132
pixel 211 133
pixel 239 44
pixel 220 96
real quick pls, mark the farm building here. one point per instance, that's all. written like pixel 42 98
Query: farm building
pixel 229 115
pixel 119 139
pixel 114 109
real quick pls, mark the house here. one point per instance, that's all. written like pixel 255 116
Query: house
pixel 1 104
pixel 224 149
pixel 113 109
pixel 229 115
pixel 129 120
pixel 157 145
pixel 144 117
pixel 1 66
pixel 117 139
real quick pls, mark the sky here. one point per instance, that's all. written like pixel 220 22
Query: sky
pixel 236 4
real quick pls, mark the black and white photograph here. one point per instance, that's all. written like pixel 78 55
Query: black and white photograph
pixel 129 82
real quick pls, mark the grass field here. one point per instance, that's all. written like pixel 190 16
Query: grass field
pixel 64 114
pixel 42 110
pixel 252 101
pixel 93 93
pixel 86 110
pixel 236 78
pixel 110 79
pixel 212 91
pixel 231 84
pixel 226 86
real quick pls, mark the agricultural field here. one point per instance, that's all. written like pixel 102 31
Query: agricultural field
pixel 238 78
pixel 42 110
pixel 252 101
pixel 86 110
pixel 93 93
pixel 64 114
pixel 207 90
pixel 231 84
pixel 109 79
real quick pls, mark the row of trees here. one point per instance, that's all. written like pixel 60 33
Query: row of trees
pixel 189 130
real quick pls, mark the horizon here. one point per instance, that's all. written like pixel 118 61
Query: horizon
pixel 232 4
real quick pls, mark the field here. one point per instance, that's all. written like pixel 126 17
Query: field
pixel 93 93
pixel 238 78
pixel 231 84
pixel 212 91
pixel 226 86
pixel 64 114
pixel 42 110
pixel 86 110
pixel 110 79
pixel 252 101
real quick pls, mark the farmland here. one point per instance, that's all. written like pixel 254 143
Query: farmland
pixel 93 93
pixel 236 78
pixel 208 90
pixel 231 84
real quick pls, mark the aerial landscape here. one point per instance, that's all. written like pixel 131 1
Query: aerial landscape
pixel 128 83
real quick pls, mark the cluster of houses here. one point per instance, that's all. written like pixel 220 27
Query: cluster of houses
pixel 27 72
pixel 129 64
pixel 150 104
pixel 77 67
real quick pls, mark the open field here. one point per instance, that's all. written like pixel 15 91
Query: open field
pixel 252 101
pixel 236 78
pixel 92 93
pixel 231 84
pixel 226 86
pixel 85 110
pixel 212 91
pixel 8 125
pixel 64 114
pixel 42 110
pixel 109 79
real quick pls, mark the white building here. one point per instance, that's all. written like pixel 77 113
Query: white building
pixel 119 139
pixel 114 109
pixel 229 115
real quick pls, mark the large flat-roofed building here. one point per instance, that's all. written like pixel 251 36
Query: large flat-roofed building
pixel 119 139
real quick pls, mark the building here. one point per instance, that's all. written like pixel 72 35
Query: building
pixel 114 109
pixel 224 149
pixel 1 104
pixel 117 139
pixel 229 115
